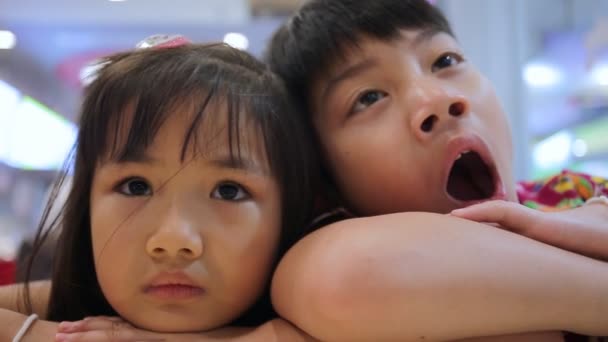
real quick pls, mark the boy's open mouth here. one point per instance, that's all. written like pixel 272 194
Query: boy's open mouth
pixel 471 178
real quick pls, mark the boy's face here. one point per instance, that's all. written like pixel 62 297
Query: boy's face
pixel 409 125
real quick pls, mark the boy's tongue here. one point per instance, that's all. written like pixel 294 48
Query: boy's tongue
pixel 470 179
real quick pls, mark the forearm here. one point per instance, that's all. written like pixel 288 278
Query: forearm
pixel 592 238
pixel 11 297
pixel 410 275
pixel 275 330
pixel 281 330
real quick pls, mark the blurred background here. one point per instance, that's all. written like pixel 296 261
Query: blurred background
pixel 547 58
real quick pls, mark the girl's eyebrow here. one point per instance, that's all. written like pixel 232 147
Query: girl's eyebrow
pixel 139 158
pixel 222 161
pixel 242 163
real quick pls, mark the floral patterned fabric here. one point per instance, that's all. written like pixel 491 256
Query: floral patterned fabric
pixel 566 190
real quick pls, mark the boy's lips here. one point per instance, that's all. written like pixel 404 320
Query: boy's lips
pixel 173 286
pixel 473 148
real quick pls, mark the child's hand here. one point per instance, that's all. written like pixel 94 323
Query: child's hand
pixel 103 329
pixel 583 230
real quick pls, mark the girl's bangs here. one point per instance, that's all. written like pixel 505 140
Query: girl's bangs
pixel 214 114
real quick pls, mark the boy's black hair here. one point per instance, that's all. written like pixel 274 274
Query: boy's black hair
pixel 124 108
pixel 316 36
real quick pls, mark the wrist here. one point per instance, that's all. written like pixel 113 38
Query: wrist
pixel 598 200
pixel 41 331
pixel 25 326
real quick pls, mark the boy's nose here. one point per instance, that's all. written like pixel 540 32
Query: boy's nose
pixel 435 107
pixel 177 237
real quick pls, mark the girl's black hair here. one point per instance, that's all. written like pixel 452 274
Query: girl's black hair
pixel 151 83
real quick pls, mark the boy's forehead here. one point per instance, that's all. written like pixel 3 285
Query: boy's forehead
pixel 365 45
pixel 366 48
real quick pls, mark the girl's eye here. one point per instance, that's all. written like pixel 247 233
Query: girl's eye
pixel 135 187
pixel 367 99
pixel 230 192
pixel 447 60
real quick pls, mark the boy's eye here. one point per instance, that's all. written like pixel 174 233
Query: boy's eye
pixel 135 187
pixel 447 60
pixel 230 192
pixel 367 99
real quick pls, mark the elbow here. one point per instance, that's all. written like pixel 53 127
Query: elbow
pixel 323 284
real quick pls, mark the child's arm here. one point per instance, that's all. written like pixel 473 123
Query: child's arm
pixel 111 329
pixel 96 330
pixel 102 329
pixel 413 275
pixel 582 230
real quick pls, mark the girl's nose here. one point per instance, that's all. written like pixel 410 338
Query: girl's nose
pixel 177 237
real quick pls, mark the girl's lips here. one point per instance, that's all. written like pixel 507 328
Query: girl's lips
pixel 174 291
pixel 173 286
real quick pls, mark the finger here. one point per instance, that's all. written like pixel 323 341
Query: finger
pixel 130 335
pixel 93 323
pixel 109 318
pixel 509 215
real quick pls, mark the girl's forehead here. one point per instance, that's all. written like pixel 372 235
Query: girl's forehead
pixel 216 129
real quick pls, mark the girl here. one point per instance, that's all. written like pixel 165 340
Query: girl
pixel 191 178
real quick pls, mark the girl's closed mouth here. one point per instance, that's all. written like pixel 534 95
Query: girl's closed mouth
pixel 173 286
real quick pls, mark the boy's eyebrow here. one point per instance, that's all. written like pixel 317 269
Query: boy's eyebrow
pixel 347 73
pixel 356 69
pixel 424 36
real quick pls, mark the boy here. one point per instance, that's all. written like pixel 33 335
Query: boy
pixel 405 123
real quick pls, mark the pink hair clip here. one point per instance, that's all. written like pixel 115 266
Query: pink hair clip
pixel 161 41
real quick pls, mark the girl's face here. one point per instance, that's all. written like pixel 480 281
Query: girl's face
pixel 410 125
pixel 185 245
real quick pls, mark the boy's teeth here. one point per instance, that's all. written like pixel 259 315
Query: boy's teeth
pixel 461 153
